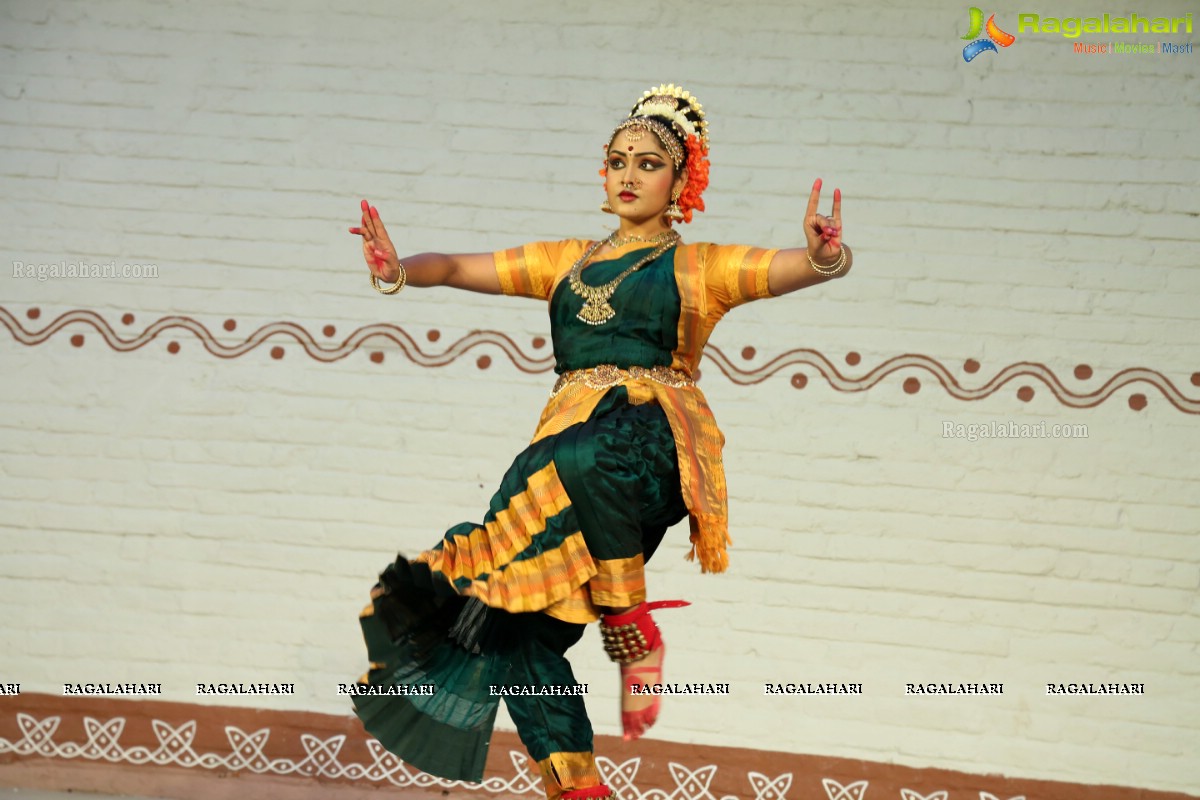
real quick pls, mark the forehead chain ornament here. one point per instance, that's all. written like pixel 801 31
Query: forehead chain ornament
pixel 667 111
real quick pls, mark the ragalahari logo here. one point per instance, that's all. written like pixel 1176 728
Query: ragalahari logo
pixel 995 36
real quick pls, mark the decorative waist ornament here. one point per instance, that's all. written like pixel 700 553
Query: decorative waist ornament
pixel 606 376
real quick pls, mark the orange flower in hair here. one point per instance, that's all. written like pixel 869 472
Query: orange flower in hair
pixel 697 182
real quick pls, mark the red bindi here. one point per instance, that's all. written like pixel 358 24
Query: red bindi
pixel 631 148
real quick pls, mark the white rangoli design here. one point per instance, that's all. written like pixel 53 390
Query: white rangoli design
pixel 322 758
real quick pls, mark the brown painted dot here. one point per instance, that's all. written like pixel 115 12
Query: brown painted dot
pixel 33 313
pixel 1137 402
pixel 276 353
pixel 230 324
pixel 1083 372
pixel 329 330
pixel 1196 379
pixel 853 358
pixel 748 353
pixel 377 357
pixel 1025 394
pixel 77 340
pixel 173 348
pixel 127 319
pixel 433 335
pixel 799 380
pixel 539 341
pixel 971 365
pixel 911 386
pixel 483 362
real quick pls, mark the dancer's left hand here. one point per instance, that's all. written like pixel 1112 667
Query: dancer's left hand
pixel 824 234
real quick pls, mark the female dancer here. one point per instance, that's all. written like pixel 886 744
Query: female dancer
pixel 625 448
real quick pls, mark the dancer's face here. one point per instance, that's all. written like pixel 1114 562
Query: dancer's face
pixel 640 176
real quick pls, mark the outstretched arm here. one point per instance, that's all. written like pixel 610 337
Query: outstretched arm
pixel 793 269
pixel 475 272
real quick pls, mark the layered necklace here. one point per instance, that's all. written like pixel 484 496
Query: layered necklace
pixel 596 308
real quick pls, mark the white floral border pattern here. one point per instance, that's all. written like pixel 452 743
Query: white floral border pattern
pixel 175 747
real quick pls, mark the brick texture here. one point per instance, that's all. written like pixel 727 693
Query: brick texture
pixel 183 518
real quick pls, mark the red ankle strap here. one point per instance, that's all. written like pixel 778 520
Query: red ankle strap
pixel 641 609
pixel 657 604
pixel 600 792
pixel 633 635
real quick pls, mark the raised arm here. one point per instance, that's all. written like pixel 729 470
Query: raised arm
pixel 819 261
pixel 475 272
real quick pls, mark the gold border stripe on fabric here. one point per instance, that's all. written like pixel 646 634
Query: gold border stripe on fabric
pixel 534 584
pixel 689 333
pixel 760 265
pixel 698 443
pixel 747 278
pixel 563 772
pixel 619 582
pixel 510 266
pixel 575 607
pixel 502 539
pixel 753 272
pixel 569 254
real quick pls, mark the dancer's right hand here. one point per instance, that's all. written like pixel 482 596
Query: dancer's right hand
pixel 378 250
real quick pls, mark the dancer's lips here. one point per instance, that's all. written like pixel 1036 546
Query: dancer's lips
pixel 628 197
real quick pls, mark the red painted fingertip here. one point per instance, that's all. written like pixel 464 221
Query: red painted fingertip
pixel 364 205
pixel 837 194
pixel 375 212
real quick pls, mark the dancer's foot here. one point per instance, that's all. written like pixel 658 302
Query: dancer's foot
pixel 639 705
pixel 633 640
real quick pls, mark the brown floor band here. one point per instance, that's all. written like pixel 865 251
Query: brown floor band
pixel 202 752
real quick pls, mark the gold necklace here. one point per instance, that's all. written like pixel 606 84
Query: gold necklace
pixel 596 308
pixel 614 242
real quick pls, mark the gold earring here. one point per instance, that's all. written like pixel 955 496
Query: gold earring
pixel 606 208
pixel 673 212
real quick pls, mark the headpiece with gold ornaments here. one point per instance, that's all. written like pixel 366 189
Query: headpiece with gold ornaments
pixel 676 118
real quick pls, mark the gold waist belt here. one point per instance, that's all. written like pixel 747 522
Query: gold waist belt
pixel 606 376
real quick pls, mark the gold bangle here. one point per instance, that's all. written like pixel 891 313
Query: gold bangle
pixel 403 279
pixel 829 270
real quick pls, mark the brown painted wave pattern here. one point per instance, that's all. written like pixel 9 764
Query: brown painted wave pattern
pixel 370 337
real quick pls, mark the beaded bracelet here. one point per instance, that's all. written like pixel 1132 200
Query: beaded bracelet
pixel 403 279
pixel 830 270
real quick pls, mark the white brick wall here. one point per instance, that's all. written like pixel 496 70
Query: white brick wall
pixel 185 518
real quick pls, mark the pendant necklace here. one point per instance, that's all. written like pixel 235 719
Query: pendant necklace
pixel 596 308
